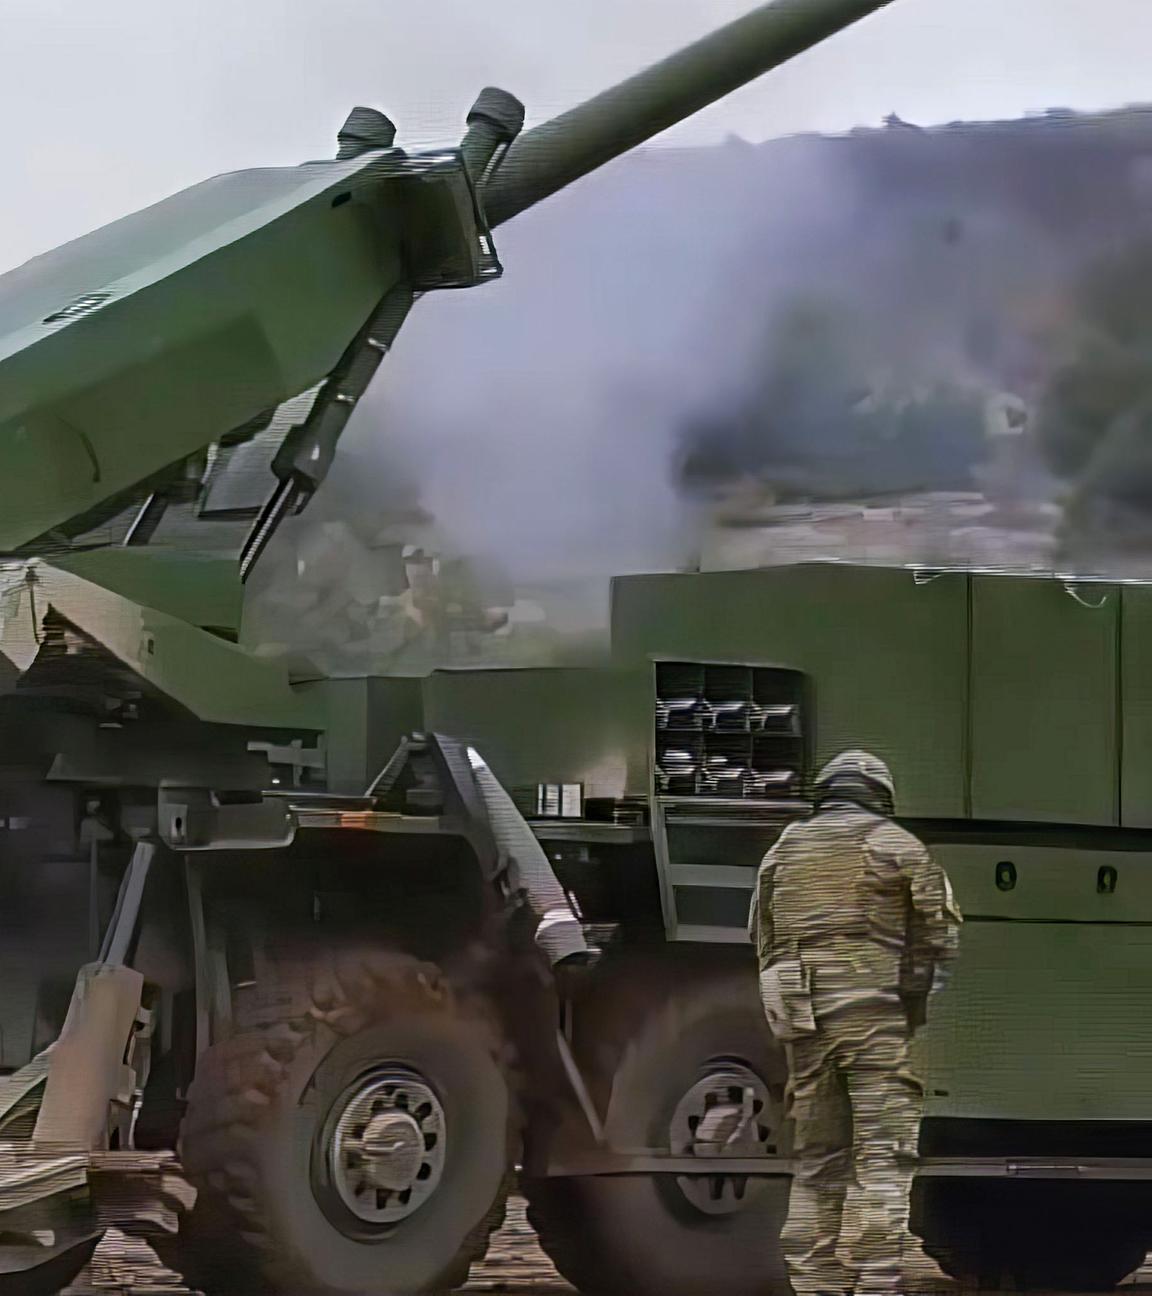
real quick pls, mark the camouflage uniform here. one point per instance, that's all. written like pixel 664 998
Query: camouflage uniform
pixel 870 919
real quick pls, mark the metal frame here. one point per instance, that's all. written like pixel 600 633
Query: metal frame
pixel 647 1162
pixel 126 915
pixel 201 962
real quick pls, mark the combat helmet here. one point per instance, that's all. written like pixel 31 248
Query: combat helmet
pixel 857 776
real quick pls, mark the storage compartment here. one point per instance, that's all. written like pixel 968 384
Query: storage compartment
pixel 1042 1021
pixel 1045 675
pixel 729 731
pixel 885 652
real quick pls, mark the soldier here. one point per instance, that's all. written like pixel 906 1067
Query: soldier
pixel 855 926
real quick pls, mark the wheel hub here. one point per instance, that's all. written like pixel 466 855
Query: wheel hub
pixel 728 1112
pixel 392 1148
pixel 387 1146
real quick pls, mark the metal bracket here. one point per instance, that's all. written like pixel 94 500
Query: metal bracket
pixel 303 460
pixel 648 1162
pixel 201 958
pixel 576 1080
pixel 125 917
pixel 195 819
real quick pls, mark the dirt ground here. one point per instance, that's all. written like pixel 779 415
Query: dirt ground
pixel 515 1263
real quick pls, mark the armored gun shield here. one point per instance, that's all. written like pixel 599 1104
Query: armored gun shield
pixel 125 351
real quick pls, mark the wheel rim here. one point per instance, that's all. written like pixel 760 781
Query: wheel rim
pixel 385 1146
pixel 728 1112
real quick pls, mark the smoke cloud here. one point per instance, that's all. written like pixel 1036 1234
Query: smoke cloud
pixel 822 316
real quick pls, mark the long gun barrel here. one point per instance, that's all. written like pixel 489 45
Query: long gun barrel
pixel 549 157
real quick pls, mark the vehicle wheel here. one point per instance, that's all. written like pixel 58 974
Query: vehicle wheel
pixel 366 1147
pixel 1046 1262
pixel 681 1079
pixel 53 1275
pixel 1036 1236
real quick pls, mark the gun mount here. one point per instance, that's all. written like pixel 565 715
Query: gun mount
pixel 135 347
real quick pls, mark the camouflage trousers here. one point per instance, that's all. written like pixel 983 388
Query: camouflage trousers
pixel 856 1109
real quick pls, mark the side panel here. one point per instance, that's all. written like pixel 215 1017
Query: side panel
pixel 1046 1014
pixel 1045 745
pixel 214 680
pixel 1045 1017
pixel 1043 1021
pixel 886 654
pixel 366 719
pixel 202 589
pixel 87 411
pixel 346 735
pixel 45 922
pixel 1036 884
pixel 579 725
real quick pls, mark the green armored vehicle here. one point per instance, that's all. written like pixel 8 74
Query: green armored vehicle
pixel 280 993
pixel 301 1039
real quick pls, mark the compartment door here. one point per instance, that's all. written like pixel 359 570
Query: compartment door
pixel 1045 674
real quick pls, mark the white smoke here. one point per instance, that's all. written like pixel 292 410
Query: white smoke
pixel 534 419
pixel 537 421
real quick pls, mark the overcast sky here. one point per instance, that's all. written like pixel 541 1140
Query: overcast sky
pixel 108 105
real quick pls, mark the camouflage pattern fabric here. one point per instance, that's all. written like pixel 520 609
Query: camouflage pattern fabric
pixel 856 1110
pixel 872 918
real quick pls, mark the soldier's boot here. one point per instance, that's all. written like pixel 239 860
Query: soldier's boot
pixel 922 1276
pixel 918 1275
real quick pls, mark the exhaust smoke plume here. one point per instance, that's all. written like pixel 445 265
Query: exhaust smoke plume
pixel 810 318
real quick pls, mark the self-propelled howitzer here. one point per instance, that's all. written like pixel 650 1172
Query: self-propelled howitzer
pixel 314 997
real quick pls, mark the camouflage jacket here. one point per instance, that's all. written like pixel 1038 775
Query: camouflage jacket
pixel 850 878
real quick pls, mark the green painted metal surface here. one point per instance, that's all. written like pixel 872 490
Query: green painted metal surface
pixel 1043 1021
pixel 213 679
pixel 1136 706
pixel 992 696
pixel 1045 1018
pixel 563 725
pixel 365 720
pixel 202 589
pixel 1050 884
pixel 1045 742
pixel 139 344
pixel 886 656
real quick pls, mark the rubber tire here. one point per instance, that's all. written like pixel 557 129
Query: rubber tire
pixel 1055 1236
pixel 53 1276
pixel 637 1235
pixel 1042 1264
pixel 259 1098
